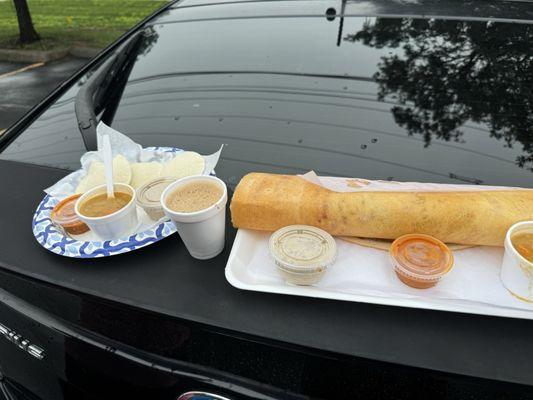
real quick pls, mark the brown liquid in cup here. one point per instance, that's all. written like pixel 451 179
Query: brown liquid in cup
pixel 100 205
pixel 194 196
pixel 523 243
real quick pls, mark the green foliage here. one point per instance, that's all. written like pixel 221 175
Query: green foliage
pixel 61 23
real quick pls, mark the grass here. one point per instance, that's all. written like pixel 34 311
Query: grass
pixel 64 23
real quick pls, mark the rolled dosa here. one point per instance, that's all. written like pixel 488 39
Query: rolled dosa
pixel 269 202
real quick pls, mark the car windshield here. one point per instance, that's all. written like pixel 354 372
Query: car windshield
pixel 408 99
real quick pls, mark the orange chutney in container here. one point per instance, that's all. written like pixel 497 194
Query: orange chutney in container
pixel 64 215
pixel 420 261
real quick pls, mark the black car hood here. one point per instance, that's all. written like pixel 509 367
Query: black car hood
pixel 164 279
pixel 387 97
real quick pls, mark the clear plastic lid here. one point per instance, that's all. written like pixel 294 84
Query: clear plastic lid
pixel 422 257
pixel 64 213
pixel 302 249
pixel 149 194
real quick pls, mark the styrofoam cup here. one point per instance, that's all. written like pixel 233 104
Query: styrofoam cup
pixel 204 231
pixel 112 226
pixel 517 272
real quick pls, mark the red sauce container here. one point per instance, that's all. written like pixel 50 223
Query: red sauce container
pixel 420 261
pixel 64 215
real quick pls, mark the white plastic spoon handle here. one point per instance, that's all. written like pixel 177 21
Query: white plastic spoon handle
pixel 108 165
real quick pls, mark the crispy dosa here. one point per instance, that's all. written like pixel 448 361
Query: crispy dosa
pixel 269 201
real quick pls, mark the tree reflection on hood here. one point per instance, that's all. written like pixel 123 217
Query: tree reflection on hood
pixel 449 72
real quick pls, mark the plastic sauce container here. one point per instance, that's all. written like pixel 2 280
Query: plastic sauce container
pixel 149 197
pixel 65 216
pixel 302 253
pixel 420 261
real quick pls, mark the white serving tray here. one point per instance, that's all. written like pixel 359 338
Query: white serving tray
pixel 365 275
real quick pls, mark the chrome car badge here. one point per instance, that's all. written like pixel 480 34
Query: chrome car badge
pixel 21 343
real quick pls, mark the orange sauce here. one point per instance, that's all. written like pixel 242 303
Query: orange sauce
pixel 64 215
pixel 420 260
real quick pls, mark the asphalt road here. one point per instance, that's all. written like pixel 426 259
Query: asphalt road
pixel 24 85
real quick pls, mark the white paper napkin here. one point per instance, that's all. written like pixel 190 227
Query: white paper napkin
pixel 120 144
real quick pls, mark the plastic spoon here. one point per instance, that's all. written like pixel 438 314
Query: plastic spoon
pixel 108 166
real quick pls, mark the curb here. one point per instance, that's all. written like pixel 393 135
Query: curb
pixel 33 56
pixel 84 52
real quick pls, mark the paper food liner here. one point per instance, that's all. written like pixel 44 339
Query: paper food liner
pixel 352 185
pixel 385 244
pixel 133 152
pixel 120 144
pixel 474 278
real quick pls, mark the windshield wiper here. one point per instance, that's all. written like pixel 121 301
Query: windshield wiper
pixel 103 90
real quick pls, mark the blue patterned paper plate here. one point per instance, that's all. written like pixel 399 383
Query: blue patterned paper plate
pixel 53 239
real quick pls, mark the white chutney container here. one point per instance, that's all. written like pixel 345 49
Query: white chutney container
pixel 113 226
pixel 517 272
pixel 203 232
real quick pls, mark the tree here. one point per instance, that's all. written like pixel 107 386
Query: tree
pixel 27 32
pixel 451 72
